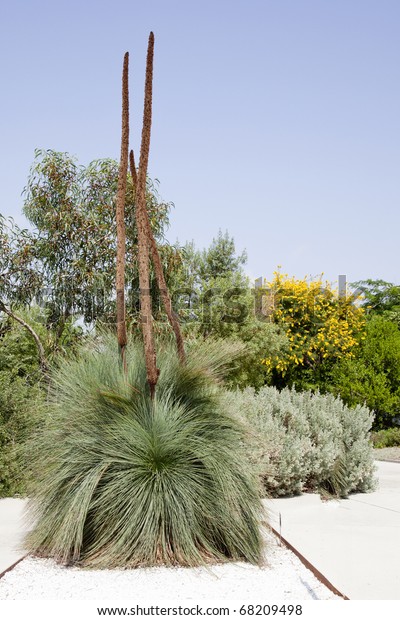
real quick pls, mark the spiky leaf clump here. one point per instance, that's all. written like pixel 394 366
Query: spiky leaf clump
pixel 126 481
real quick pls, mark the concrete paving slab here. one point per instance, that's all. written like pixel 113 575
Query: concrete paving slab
pixel 12 531
pixel 354 543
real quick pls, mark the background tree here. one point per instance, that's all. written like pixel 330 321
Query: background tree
pixel 321 328
pixel 380 297
pixel 372 377
pixel 201 274
pixel 72 208
pixel 20 273
pixel 220 259
pixel 20 278
pixel 215 301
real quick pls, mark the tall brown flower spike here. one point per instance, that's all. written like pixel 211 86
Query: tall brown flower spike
pixel 162 285
pixel 146 241
pixel 120 216
pixel 143 244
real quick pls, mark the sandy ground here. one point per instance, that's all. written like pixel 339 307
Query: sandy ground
pixel 283 577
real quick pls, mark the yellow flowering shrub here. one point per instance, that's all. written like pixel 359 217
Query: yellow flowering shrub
pixel 320 325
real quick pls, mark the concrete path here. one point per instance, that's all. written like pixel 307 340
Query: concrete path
pixel 354 543
pixel 12 531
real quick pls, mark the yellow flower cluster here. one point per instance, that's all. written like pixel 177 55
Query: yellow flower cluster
pixel 319 324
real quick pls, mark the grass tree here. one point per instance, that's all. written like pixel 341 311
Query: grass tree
pixel 139 466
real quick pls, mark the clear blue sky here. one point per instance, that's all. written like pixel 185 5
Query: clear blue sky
pixel 278 120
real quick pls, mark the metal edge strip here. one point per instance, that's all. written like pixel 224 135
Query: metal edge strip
pixel 7 570
pixel 310 566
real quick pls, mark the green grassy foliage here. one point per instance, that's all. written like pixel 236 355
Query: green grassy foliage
pixel 123 481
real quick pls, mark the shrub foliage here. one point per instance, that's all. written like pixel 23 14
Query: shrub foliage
pixel 386 438
pixel 21 397
pixel 305 441
pixel 321 328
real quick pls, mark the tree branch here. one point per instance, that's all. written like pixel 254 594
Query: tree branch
pixel 42 356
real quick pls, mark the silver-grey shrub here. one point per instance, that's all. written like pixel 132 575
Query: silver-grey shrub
pixel 306 441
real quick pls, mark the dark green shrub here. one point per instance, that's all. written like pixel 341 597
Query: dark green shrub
pixel 373 376
pixel 23 389
pixel 124 481
pixel 21 398
pixel 20 414
pixel 388 438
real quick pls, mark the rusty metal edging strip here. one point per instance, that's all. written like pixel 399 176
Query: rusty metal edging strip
pixel 7 570
pixel 310 566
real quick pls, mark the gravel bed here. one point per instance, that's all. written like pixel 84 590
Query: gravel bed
pixel 283 577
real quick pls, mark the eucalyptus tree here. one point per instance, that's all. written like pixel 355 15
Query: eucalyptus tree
pixel 72 209
pixel 380 298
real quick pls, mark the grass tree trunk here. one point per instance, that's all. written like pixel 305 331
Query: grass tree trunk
pixel 120 216
pixel 162 285
pixel 143 244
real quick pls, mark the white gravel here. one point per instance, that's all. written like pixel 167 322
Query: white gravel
pixel 283 577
